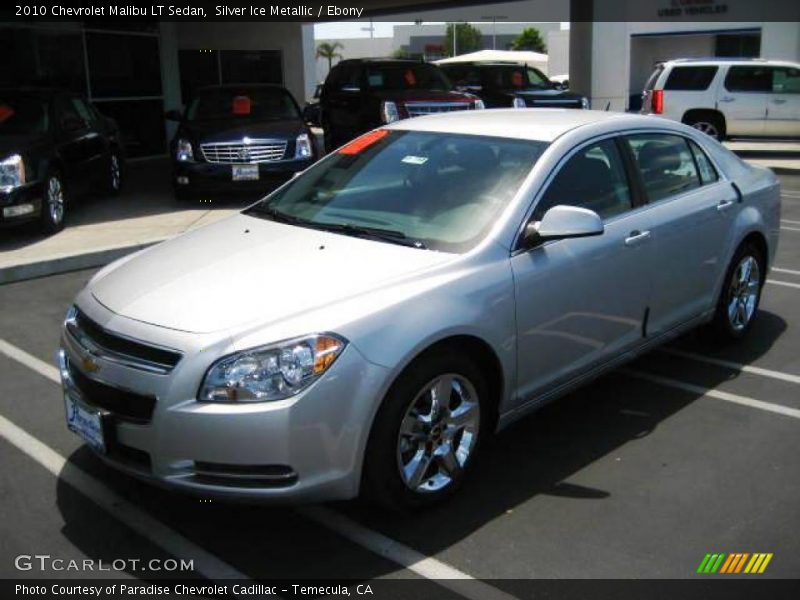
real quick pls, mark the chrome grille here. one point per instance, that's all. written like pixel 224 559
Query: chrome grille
pixel 417 109
pixel 241 152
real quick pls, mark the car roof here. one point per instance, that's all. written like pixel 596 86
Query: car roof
pixel 716 61
pixel 485 63
pixel 540 124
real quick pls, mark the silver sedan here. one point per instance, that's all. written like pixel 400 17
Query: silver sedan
pixel 367 325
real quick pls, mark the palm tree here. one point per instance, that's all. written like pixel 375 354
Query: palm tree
pixel 329 51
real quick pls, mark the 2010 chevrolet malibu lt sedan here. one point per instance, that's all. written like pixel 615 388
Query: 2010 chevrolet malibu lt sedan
pixel 366 326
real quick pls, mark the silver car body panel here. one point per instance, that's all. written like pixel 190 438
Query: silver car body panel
pixel 553 316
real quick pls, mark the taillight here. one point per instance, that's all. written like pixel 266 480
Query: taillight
pixel 658 101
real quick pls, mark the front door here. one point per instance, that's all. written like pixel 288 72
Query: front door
pixel 582 301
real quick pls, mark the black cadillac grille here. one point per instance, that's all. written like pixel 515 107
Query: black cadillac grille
pixel 121 403
pixel 126 347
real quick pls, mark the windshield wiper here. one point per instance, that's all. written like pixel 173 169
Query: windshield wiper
pixel 385 235
pixel 264 210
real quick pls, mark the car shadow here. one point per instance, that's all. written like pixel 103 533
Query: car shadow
pixel 147 192
pixel 535 457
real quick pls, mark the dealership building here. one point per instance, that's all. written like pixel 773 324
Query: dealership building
pixel 134 72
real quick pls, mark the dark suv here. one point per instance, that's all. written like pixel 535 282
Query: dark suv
pixel 54 146
pixel 361 94
pixel 503 84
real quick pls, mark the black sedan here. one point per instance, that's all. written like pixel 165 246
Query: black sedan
pixel 238 138
pixel 503 84
pixel 54 145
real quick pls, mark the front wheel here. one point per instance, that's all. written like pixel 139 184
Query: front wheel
pixel 741 293
pixel 427 432
pixel 53 203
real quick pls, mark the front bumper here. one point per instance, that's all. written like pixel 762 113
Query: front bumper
pixel 308 448
pixel 21 204
pixel 203 177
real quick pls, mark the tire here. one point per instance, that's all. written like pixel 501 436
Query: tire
pixel 114 176
pixel 737 306
pixel 53 204
pixel 710 124
pixel 417 456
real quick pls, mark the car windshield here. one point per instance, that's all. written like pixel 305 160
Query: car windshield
pixel 407 77
pixel 520 77
pixel 428 190
pixel 23 114
pixel 248 104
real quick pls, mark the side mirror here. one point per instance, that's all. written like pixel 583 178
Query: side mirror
pixel 172 115
pixel 561 222
pixel 311 115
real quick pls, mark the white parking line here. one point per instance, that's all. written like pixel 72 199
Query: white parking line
pixel 430 568
pixel 784 283
pixel 711 393
pixel 790 222
pixel 790 228
pixel 118 507
pixel 733 365
pixel 789 271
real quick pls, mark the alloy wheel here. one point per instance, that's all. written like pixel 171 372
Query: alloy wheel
pixel 707 128
pixel 116 173
pixel 55 200
pixel 438 433
pixel 743 291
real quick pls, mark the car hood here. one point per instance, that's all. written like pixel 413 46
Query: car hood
pixel 244 270
pixel 19 143
pixel 227 131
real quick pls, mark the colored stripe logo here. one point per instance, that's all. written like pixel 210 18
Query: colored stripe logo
pixel 737 562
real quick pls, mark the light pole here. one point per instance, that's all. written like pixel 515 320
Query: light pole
pixel 493 19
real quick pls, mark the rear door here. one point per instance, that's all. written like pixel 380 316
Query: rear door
pixel 783 108
pixel 743 99
pixel 691 208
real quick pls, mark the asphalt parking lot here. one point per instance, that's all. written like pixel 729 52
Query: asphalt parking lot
pixel 691 450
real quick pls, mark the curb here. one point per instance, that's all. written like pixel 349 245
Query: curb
pixel 64 264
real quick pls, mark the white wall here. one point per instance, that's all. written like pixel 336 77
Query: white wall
pixel 558 52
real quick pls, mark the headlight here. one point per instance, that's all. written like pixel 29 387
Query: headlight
pixel 12 172
pixel 302 146
pixel 518 102
pixel 183 151
pixel 389 112
pixel 271 372
pixel 479 105
pixel 584 102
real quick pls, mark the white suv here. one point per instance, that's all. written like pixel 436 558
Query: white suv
pixel 727 97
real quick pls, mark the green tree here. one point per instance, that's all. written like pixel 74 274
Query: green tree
pixel 467 39
pixel 529 39
pixel 329 51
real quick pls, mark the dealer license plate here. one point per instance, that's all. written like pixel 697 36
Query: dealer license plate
pixel 245 172
pixel 86 422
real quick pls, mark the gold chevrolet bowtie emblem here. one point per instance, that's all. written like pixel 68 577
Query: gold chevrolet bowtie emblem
pixel 89 364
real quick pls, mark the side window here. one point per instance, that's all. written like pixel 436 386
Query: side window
pixel 690 78
pixel 785 80
pixel 749 79
pixel 351 77
pixel 82 109
pixel 708 174
pixel 66 112
pixel 593 178
pixel 666 164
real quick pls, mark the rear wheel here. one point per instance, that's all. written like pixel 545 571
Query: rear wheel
pixel 53 205
pixel 741 293
pixel 708 123
pixel 427 432
pixel 114 181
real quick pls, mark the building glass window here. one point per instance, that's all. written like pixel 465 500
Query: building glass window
pixel 198 68
pixel 251 66
pixel 44 57
pixel 738 45
pixel 123 65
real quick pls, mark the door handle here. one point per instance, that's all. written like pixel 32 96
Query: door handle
pixel 727 99
pixel 779 100
pixel 637 237
pixel 724 205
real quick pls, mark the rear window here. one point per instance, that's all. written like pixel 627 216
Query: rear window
pixel 690 78
pixel 651 81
